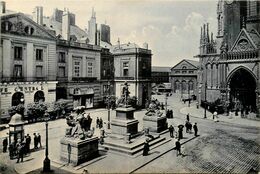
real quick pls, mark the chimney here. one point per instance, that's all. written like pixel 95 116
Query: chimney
pixel 2 6
pixel 145 45
pixel 66 25
pixel 38 15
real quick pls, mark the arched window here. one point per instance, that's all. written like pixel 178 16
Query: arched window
pixel 184 85
pixel 39 97
pixel 6 26
pixel 191 85
pixel 184 67
pixel 17 98
pixel 29 30
pixel 177 85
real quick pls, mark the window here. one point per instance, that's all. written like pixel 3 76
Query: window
pixel 184 72
pixel 177 71
pixel 191 72
pixel 125 68
pixel 61 72
pixel 90 69
pixel 18 53
pixel 6 26
pixel 184 67
pixel 38 71
pixel 29 30
pixel 77 69
pixel 61 57
pixel 39 54
pixel 17 70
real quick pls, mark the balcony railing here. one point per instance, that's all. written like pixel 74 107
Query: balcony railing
pixel 77 44
pixel 84 79
pixel 124 78
pixel 241 55
pixel 22 79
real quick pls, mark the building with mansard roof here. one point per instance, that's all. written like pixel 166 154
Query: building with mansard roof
pixel 229 64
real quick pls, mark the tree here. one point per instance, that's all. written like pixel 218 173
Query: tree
pixel 16 109
pixel 36 111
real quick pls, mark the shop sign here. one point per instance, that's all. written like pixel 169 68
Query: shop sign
pixel 27 89
pixel 4 91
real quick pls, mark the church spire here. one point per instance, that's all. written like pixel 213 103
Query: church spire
pixel 207 32
pixel 93 13
pixel 204 33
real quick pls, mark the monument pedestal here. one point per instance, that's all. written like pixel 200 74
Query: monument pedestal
pixel 155 123
pixel 76 151
pixel 124 123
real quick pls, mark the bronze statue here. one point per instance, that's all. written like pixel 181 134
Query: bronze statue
pixel 123 101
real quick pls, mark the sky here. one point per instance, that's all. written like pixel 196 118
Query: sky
pixel 170 27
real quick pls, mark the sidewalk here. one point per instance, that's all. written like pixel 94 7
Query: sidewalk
pixel 199 113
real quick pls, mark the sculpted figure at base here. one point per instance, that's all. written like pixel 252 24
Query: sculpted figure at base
pixel 77 127
pixel 154 108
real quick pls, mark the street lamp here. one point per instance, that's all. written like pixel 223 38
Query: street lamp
pixel 205 106
pixel 108 105
pixel 166 103
pixel 46 162
pixel 189 94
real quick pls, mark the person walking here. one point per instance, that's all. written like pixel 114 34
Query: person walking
pixel 171 130
pixel 97 122
pixel 35 141
pixel 100 123
pixel 178 147
pixel 195 128
pixel 146 148
pixel 27 143
pixel 39 139
pixel 188 117
pixel 20 151
pixel 5 144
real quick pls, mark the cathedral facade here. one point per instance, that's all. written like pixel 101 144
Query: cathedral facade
pixel 229 68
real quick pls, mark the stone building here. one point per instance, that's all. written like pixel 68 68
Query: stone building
pixel 27 62
pixel 183 78
pixel 229 64
pixel 133 64
pixel 160 74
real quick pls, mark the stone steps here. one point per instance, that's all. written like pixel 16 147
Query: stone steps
pixel 129 149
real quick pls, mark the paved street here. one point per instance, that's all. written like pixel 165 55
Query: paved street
pixel 221 147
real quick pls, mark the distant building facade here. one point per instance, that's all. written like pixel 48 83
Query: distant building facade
pixel 183 77
pixel 160 74
pixel 133 64
pixel 229 64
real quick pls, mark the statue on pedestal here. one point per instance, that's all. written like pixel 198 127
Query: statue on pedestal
pixel 124 99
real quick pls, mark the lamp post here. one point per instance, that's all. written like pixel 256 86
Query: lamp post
pixel 46 162
pixel 189 94
pixel 166 103
pixel 108 105
pixel 205 107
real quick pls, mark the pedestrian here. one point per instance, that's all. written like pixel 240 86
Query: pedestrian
pixel 178 147
pixel 11 150
pixel 188 117
pixel 187 126
pixel 171 130
pixel 5 144
pixel 100 123
pixel 39 139
pixel 171 112
pixel 97 122
pixel 20 151
pixel 146 148
pixel 180 136
pixel 35 140
pixel 195 128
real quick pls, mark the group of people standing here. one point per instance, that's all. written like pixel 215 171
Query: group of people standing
pixel 99 123
pixel 19 148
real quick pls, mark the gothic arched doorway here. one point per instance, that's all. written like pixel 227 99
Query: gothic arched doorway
pixel 39 96
pixel 17 98
pixel 242 90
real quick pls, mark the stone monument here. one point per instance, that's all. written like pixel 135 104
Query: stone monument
pixel 154 119
pixel 78 145
pixel 124 123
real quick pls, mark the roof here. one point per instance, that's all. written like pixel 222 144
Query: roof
pixel 161 69
pixel 192 62
pixel 255 36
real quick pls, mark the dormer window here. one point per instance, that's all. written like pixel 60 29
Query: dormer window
pixel 6 26
pixel 29 30
pixel 184 67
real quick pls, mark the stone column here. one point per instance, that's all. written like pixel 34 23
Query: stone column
pixel 84 66
pixel 29 61
pixel 217 80
pixel 7 58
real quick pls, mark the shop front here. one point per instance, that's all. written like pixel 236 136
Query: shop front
pixel 83 98
pixel 15 93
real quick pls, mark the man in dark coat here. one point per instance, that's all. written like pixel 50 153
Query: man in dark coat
pixel 97 122
pixel 178 147
pixel 39 139
pixel 20 151
pixel 146 148
pixel 171 130
pixel 27 143
pixel 35 140
pixel 188 117
pixel 5 144
pixel 195 128
pixel 100 123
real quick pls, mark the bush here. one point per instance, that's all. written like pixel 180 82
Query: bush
pixel 36 111
pixel 16 109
